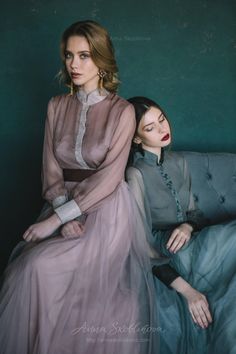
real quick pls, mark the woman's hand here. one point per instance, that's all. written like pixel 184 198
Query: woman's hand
pixel 42 229
pixel 179 237
pixel 72 229
pixel 198 307
pixel 197 303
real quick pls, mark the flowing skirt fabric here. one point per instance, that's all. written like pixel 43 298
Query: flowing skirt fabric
pixel 84 295
pixel 208 263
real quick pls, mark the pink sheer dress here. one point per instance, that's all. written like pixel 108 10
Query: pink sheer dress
pixel 91 294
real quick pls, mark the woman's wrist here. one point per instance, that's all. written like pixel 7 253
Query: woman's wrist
pixel 181 286
pixel 55 220
pixel 189 226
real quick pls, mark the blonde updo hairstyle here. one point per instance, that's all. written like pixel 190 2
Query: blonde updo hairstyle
pixel 101 48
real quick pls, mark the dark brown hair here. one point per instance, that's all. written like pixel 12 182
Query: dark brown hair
pixel 141 106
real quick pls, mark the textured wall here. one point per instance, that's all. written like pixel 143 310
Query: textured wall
pixel 180 53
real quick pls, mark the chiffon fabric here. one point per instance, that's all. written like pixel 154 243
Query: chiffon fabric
pixel 207 261
pixel 91 294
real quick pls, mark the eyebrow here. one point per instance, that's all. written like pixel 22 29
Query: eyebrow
pixel 153 122
pixel 80 52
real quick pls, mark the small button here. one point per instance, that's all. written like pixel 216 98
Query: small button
pixel 222 199
pixel 209 175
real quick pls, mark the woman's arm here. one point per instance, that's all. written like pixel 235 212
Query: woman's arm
pixel 197 302
pixel 161 268
pixel 110 173
pixel 53 188
pixel 165 273
pixel 90 191
pixel 53 184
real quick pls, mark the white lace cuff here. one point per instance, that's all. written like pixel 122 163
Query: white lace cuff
pixel 68 211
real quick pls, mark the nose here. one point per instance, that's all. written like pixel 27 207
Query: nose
pixel 74 63
pixel 161 129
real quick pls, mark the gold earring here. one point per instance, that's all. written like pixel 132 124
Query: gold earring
pixel 71 89
pixel 101 73
pixel 137 140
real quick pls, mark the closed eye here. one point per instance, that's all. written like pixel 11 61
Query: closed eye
pixel 162 118
pixel 149 128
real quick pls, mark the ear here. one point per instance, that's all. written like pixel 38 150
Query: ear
pixel 137 140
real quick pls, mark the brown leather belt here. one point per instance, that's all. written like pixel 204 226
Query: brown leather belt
pixel 71 175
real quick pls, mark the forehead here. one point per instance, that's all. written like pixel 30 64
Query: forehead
pixel 151 115
pixel 77 44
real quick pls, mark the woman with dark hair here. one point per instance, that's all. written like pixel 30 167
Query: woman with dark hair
pixel 78 283
pixel 197 261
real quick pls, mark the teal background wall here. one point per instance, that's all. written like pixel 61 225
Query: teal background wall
pixel 179 52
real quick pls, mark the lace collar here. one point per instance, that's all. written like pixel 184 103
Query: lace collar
pixel 92 97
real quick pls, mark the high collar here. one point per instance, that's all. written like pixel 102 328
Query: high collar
pixel 92 97
pixel 150 157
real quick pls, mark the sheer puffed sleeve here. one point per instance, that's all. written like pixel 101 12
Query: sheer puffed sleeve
pixel 52 177
pixel 109 174
pixel 135 181
pixel 161 269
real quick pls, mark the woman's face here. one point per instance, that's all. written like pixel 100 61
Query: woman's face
pixel 79 64
pixel 153 131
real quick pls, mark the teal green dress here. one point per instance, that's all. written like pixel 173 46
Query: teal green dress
pixel 208 261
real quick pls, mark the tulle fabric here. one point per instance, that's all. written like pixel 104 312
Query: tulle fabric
pixel 92 294
pixel 208 263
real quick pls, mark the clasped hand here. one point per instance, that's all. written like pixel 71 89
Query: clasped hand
pixel 179 237
pixel 42 229
pixel 72 229
pixel 45 228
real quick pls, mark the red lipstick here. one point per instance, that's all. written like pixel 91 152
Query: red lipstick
pixel 165 137
pixel 75 75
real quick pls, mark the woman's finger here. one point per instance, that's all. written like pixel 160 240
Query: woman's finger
pixel 172 238
pixel 66 231
pixel 26 233
pixel 69 231
pixel 193 316
pixel 82 228
pixel 76 227
pixel 198 319
pixel 205 308
pixel 178 242
pixel 201 317
pixel 204 318
pixel 179 245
